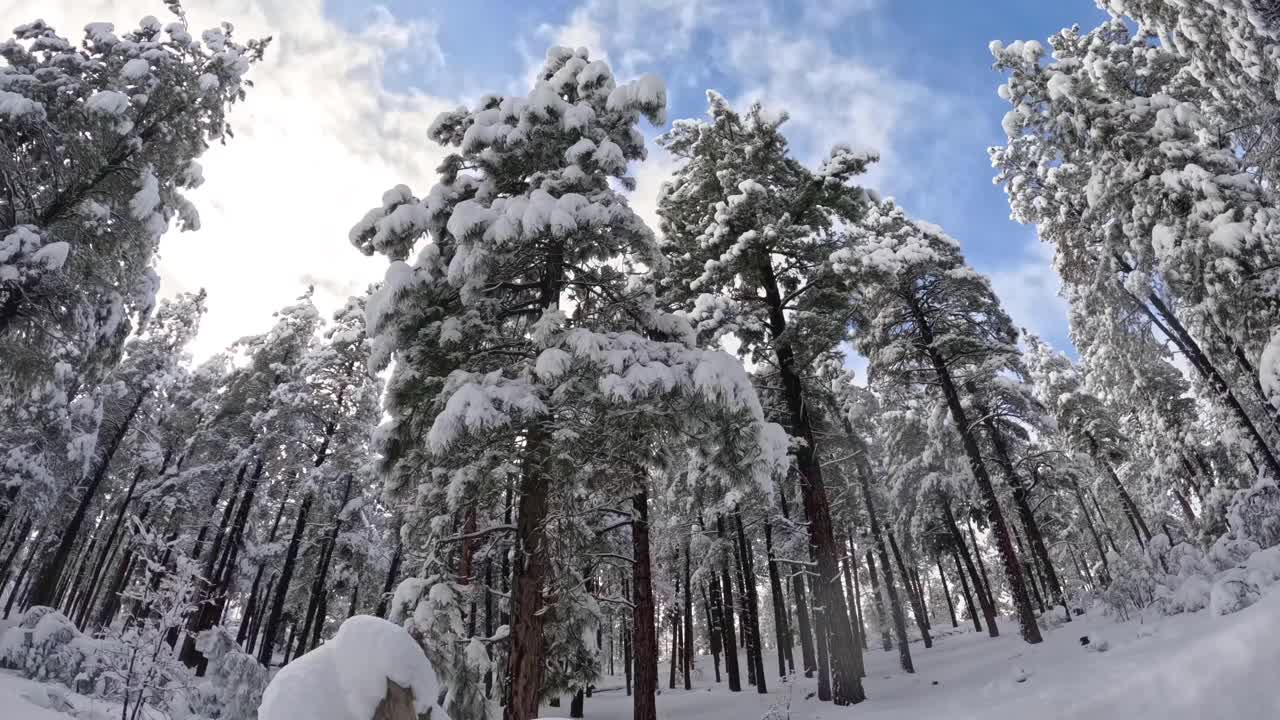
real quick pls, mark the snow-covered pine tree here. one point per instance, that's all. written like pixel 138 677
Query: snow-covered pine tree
pixel 748 232
pixel 1229 46
pixel 100 141
pixel 243 439
pixel 1087 424
pixel 925 316
pixel 1116 156
pixel 524 321
pixel 131 400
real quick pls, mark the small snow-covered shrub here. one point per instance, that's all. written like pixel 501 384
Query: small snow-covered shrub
pixel 1231 551
pixel 1133 585
pixel 235 680
pixel 46 646
pixel 1185 580
pixel 1191 594
pixel 1254 514
pixel 433 617
pixel 1235 590
pixel 1241 586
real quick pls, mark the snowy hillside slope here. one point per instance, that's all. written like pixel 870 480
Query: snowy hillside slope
pixel 1185 667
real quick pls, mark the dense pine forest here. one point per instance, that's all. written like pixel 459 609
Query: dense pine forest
pixel 571 454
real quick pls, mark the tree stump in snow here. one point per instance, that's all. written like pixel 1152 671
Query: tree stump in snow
pixel 397 705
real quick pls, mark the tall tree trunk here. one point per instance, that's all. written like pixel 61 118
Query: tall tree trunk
pixel 250 619
pixel 845 656
pixel 982 567
pixel 857 594
pixel 821 643
pixel 1093 531
pixel 320 588
pixel 744 618
pixel 67 595
pixel 47 581
pixel 20 541
pixel 111 603
pixel 1022 505
pixel 916 608
pixel 780 625
pixel 687 631
pixel 674 613
pixel 87 604
pixel 272 629
pixel 946 592
pixel 995 515
pixel 1082 569
pixel 1028 572
pixel 1172 327
pixel 627 664
pixel 644 700
pixel 919 588
pixel 855 618
pixel 221 567
pixel 877 600
pixel 264 607
pixel 962 551
pixel 964 586
pixel 713 627
pixel 32 551
pixel 803 624
pixel 730 642
pixel 978 467
pixel 1131 511
pixel 753 605
pixel 1106 526
pixel 863 465
pixel 525 662
pixel 393 571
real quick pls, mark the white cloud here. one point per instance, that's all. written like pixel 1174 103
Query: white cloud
pixel 1029 288
pixel 318 139
pixel 829 98
pixel 779 55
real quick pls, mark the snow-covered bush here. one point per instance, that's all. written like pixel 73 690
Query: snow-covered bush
pixel 46 646
pixel 1254 514
pixel 1133 585
pixel 1235 590
pixel 234 682
pixel 1230 551
pixel 1241 586
pixel 431 613
pixel 347 677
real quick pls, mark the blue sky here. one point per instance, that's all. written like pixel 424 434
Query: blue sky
pixel 342 102
pixel 910 78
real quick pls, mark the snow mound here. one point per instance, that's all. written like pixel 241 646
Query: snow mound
pixel 346 678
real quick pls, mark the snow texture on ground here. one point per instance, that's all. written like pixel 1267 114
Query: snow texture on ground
pixel 1186 667
pixel 1176 668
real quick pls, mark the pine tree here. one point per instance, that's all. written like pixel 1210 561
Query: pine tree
pixel 1116 154
pixel 929 318
pixel 523 325
pixel 100 142
pixel 748 231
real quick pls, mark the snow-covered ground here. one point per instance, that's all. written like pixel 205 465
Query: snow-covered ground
pixel 1186 667
pixel 22 699
pixel 1174 668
